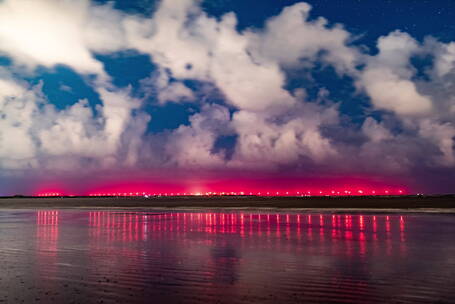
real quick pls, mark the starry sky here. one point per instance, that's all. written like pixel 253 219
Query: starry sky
pixel 226 95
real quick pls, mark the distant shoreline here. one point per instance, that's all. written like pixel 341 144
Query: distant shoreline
pixel 438 204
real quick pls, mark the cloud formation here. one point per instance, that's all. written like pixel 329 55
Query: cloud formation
pixel 54 32
pixel 408 122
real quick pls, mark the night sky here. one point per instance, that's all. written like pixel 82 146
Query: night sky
pixel 226 95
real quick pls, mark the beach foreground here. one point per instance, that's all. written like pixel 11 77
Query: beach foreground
pixel 354 202
pixel 237 256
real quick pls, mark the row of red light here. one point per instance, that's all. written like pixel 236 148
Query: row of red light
pixel 267 193
pixel 49 194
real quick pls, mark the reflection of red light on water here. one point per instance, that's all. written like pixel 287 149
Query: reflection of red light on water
pixel 47 230
pixel 341 231
pixel 387 225
pixel 402 229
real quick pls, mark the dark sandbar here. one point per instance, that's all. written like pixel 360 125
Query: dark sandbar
pixel 365 202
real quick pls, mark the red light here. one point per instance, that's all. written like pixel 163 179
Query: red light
pixel 358 189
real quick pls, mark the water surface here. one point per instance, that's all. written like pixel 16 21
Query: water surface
pixel 73 256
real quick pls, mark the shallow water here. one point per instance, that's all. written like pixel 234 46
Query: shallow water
pixel 71 256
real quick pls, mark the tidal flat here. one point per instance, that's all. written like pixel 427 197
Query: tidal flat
pixel 84 255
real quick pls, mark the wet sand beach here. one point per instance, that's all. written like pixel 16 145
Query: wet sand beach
pixel 171 256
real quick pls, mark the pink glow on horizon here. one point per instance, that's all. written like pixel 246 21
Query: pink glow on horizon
pixel 237 187
pixel 263 192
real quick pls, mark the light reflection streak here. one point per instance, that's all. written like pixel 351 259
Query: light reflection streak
pixel 310 228
pixel 402 229
pixel 299 232
pixel 47 231
pixel 278 234
pixel 348 234
pixel 288 227
pixel 402 237
pixel 388 235
pixel 356 232
pixel 47 236
pixel 321 227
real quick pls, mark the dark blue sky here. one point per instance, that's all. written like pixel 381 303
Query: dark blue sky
pixel 370 19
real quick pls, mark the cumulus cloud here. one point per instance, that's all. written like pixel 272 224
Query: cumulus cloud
pixel 192 146
pixel 443 136
pixel 247 69
pixel 287 140
pixel 51 32
pixel 192 45
pixel 375 131
pixel 387 77
pixel 422 106
pixel 34 131
pixel 165 88
pixel 308 40
pixel 16 107
pixel 445 60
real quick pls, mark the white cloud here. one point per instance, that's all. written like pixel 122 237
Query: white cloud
pixel 10 89
pixel 173 40
pixel 175 91
pixel 443 136
pixel 268 142
pixel 192 45
pixel 17 106
pixel 390 92
pixel 375 131
pixel 244 66
pixel 51 32
pixel 422 105
pixel 445 59
pixel 290 37
pixel 387 77
pixel 192 146
pixel 34 133
pixel 166 89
